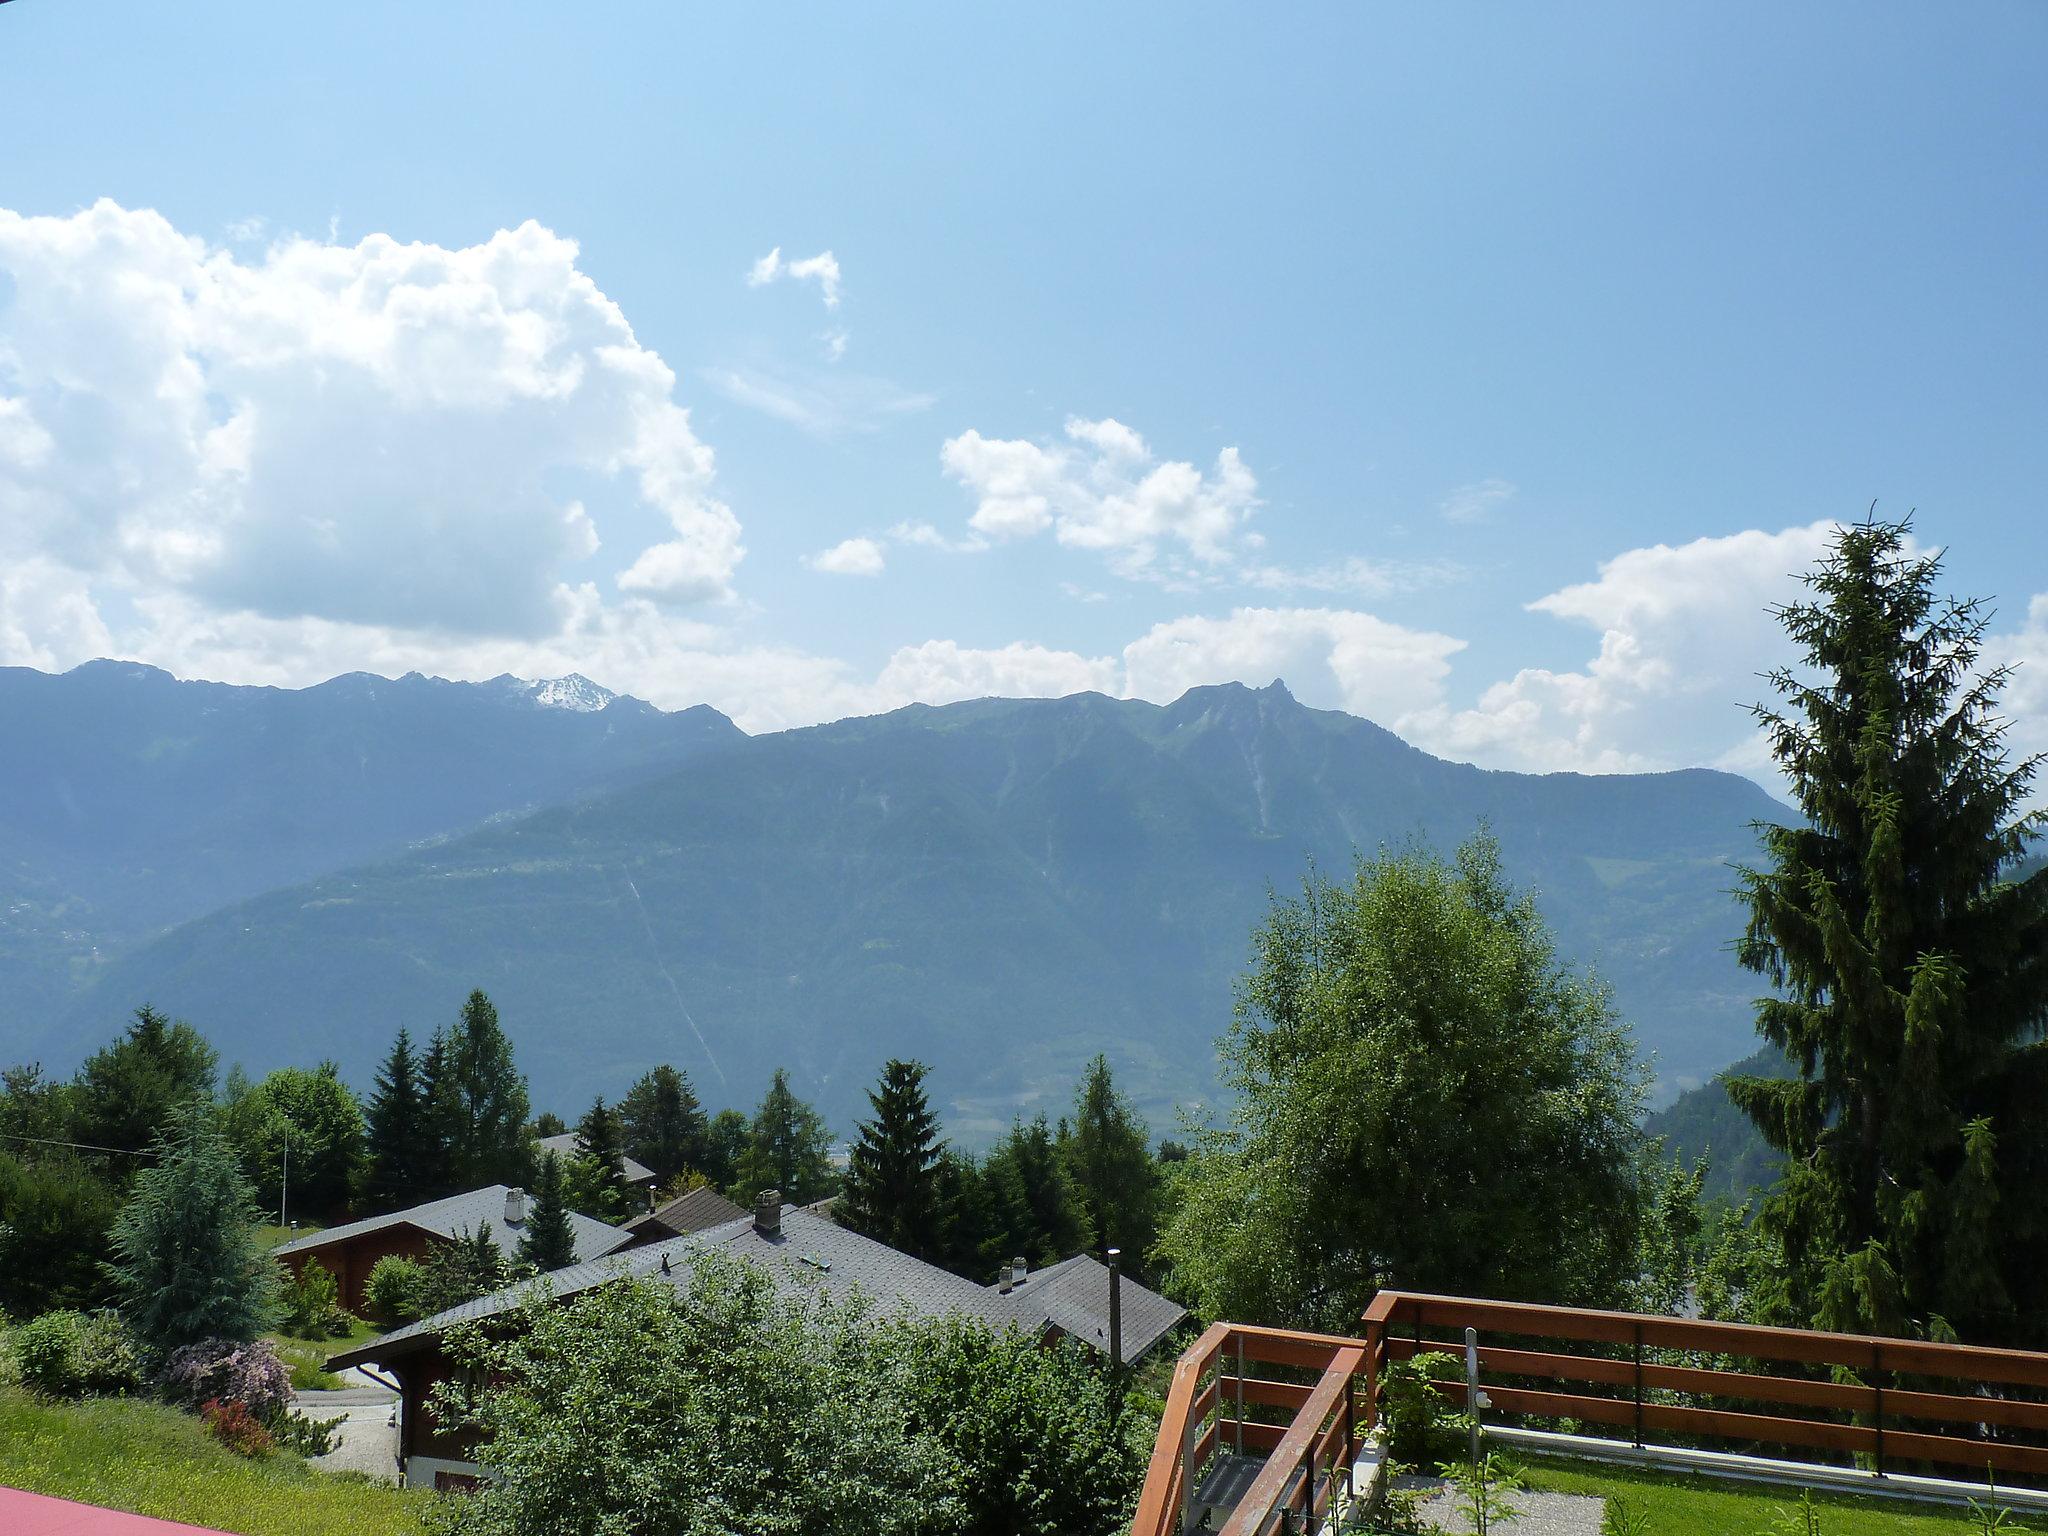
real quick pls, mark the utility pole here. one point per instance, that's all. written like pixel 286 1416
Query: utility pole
pixel 284 1183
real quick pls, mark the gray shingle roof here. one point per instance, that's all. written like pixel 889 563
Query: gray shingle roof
pixel 701 1208
pixel 564 1147
pixel 457 1214
pixel 810 1255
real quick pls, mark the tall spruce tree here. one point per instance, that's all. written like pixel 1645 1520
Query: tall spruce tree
pixel 664 1125
pixel 485 1100
pixel 1911 966
pixel 788 1148
pixel 549 1242
pixel 1108 1151
pixel 597 1174
pixel 892 1190
pixel 404 1150
pixel 1037 1212
pixel 187 1265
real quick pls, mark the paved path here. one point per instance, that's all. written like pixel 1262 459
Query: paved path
pixel 1536 1514
pixel 32 1514
pixel 366 1440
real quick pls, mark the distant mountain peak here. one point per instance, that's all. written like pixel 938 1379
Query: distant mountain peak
pixel 573 692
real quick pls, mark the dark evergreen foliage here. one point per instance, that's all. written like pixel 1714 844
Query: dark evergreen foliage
pixel 596 1176
pixel 55 1210
pixel 127 1093
pixel 549 1242
pixel 1107 1150
pixel 470 1266
pixel 484 1100
pixel 406 1160
pixel 724 1143
pixel 1036 1212
pixel 665 1127
pixel 1911 968
pixel 892 1191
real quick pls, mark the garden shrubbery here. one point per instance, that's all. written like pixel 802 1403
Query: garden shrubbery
pixel 312 1304
pixel 75 1354
pixel 395 1293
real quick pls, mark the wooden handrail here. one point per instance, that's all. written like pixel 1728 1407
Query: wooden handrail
pixel 1214 1391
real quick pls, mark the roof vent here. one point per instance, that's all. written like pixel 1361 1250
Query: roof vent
pixel 515 1207
pixel 768 1212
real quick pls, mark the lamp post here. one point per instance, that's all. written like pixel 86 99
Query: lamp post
pixel 284 1183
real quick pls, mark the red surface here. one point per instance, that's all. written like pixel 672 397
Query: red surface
pixel 31 1514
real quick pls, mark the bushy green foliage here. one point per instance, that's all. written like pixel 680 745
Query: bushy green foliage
pixel 462 1270
pixel 75 1354
pixel 724 1404
pixel 596 1175
pixel 1107 1151
pixel 1910 965
pixel 720 1407
pixel 1426 1097
pixel 127 1092
pixel 1040 1444
pixel 664 1125
pixel 54 1214
pixel 312 1304
pixel 314 1115
pixel 1036 1211
pixel 396 1290
pixel 1424 1427
pixel 186 1262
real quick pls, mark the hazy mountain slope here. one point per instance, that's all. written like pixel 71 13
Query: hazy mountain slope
pixel 1704 1122
pixel 1001 888
pixel 130 801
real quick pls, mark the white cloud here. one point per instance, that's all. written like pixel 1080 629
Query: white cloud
pixel 2025 701
pixel 1332 658
pixel 361 434
pixel 925 536
pixel 823 269
pixel 849 557
pixel 1685 631
pixel 1478 501
pixel 1367 578
pixel 826 402
pixel 1103 489
pixel 940 672
pixel 835 342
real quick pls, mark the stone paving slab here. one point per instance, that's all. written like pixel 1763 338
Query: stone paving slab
pixel 1537 1514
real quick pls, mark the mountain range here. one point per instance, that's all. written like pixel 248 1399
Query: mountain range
pixel 1000 887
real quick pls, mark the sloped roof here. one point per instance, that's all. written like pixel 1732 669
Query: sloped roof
pixel 1073 1296
pixel 477 1208
pixel 811 1254
pixel 701 1208
pixel 564 1147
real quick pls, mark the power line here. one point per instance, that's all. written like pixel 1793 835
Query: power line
pixel 81 1146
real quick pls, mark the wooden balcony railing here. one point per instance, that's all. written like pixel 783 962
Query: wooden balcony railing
pixel 1880 1403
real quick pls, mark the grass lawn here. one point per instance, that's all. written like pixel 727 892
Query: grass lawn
pixel 1692 1506
pixel 122 1453
pixel 306 1357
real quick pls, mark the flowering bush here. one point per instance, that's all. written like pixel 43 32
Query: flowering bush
pixel 225 1371
pixel 235 1427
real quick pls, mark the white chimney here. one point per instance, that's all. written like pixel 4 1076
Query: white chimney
pixel 768 1212
pixel 1018 1269
pixel 515 1207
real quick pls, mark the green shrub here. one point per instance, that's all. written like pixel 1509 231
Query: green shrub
pixel 109 1361
pixel 1424 1426
pixel 47 1348
pixel 312 1305
pixel 395 1293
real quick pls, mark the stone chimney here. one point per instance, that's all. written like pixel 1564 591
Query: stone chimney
pixel 515 1207
pixel 1018 1270
pixel 768 1212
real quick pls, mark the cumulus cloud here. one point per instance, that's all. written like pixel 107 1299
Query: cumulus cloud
pixel 1685 632
pixel 849 557
pixel 822 269
pixel 365 434
pixel 1476 502
pixel 2025 701
pixel 941 672
pixel 1101 488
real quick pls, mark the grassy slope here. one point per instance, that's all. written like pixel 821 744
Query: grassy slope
pixel 305 1358
pixel 1700 1507
pixel 152 1460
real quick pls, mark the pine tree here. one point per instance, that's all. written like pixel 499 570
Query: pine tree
pixel 470 1266
pixel 187 1265
pixel 664 1125
pixel 597 1174
pixel 1108 1152
pixel 1039 1214
pixel 724 1144
pixel 549 1242
pixel 443 1116
pixel 891 1191
pixel 788 1148
pixel 487 1100
pixel 127 1092
pixel 1912 966
pixel 404 1154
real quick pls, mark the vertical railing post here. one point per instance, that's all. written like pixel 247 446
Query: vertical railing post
pixel 1639 1386
pixel 1240 1394
pixel 1877 1389
pixel 1189 1435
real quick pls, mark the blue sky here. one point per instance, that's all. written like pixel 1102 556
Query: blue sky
pixel 1481 369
